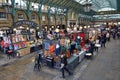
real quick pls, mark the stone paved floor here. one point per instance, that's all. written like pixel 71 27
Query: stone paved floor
pixel 104 66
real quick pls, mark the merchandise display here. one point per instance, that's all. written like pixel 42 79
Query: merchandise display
pixel 24 41
pixel 52 49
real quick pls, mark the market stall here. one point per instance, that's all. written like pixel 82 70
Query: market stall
pixel 25 37
pixel 52 50
pixel 4 38
pixel 25 41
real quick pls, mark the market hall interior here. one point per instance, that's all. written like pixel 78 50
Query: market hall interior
pixel 105 65
pixel 40 38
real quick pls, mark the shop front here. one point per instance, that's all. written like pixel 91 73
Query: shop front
pixel 5 30
pixel 25 37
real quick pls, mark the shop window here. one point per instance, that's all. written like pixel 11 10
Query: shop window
pixel 20 16
pixel 33 17
pixel 3 15
pixel 51 18
pixel 43 18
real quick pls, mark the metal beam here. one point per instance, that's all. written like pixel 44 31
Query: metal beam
pixel 68 3
pixel 57 3
pixel 55 17
pixel 40 12
pixel 49 9
pixel 63 5
pixel 13 10
pixel 66 17
pixel 71 6
pixel 28 9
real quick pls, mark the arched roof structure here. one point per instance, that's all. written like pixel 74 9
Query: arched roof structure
pixel 102 5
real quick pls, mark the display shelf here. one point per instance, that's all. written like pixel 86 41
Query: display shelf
pixel 22 48
pixel 18 42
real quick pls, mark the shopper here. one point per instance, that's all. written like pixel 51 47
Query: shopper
pixel 108 36
pixel 64 63
pixel 37 63
pixel 118 34
pixel 103 40
pixel 114 35
pixel 92 46
pixel 97 45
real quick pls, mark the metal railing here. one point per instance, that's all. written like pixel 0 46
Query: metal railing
pixel 24 7
pixel 3 3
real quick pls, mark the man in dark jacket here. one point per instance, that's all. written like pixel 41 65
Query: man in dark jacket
pixel 37 63
pixel 92 46
pixel 103 41
pixel 64 65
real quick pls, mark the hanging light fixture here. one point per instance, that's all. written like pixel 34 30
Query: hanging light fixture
pixel 87 6
pixel 57 30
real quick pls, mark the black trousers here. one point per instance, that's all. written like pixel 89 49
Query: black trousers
pixel 103 45
pixel 37 66
pixel 63 71
pixel 96 49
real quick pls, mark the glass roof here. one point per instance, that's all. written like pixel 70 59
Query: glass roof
pixel 101 5
pixel 97 5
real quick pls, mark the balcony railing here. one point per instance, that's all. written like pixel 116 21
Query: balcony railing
pixel 23 7
pixel 3 4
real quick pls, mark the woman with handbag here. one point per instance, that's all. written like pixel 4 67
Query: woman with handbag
pixel 97 44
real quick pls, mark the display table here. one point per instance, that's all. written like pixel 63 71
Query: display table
pixel 76 59
pixel 81 55
pixel 73 62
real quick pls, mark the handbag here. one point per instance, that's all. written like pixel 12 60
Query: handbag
pixel 62 65
pixel 97 45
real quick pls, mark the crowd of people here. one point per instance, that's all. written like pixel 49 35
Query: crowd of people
pixel 101 39
pixel 93 45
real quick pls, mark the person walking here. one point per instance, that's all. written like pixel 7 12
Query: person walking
pixel 64 64
pixel 108 36
pixel 97 45
pixel 118 34
pixel 92 47
pixel 103 41
pixel 37 63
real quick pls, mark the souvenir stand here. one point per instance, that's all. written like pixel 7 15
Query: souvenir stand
pixel 24 40
pixel 20 44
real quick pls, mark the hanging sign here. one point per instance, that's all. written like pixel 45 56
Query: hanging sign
pixel 25 22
